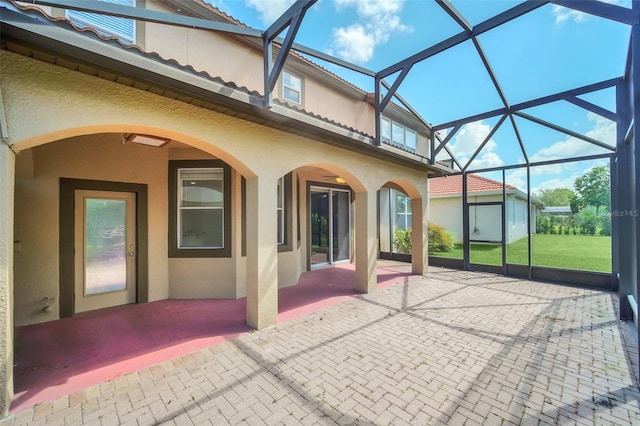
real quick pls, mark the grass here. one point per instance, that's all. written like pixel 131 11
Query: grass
pixel 582 252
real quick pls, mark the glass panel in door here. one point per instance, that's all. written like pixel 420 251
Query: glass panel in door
pixel 105 249
pixel 105 245
pixel 319 226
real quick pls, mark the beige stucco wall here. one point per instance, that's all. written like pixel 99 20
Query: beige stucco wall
pixel 68 105
pixel 447 212
pixel 97 157
pixel 7 166
pixel 205 51
pixel 233 61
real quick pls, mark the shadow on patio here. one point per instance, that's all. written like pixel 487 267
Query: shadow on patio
pixel 61 357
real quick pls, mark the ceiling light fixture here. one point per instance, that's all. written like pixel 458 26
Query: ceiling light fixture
pixel 147 140
pixel 340 180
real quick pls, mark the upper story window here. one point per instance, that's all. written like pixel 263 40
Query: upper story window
pixel 124 29
pixel 397 134
pixel 291 87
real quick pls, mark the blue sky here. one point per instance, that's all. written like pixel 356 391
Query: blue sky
pixel 549 50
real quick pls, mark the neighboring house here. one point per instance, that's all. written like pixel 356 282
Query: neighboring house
pixel 445 208
pixel 141 164
pixel 556 211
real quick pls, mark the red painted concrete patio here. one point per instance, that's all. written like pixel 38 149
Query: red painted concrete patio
pixel 61 357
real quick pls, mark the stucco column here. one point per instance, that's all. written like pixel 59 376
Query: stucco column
pixel 420 233
pixel 366 234
pixel 262 252
pixel 7 173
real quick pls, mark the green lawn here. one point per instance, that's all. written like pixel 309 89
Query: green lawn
pixel 589 253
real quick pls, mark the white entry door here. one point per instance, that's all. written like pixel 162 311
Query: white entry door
pixel 105 249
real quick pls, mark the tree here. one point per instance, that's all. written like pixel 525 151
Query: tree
pixel 592 189
pixel 555 196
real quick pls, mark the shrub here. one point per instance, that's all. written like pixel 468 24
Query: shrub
pixel 587 220
pixel 542 225
pixel 439 239
pixel 402 241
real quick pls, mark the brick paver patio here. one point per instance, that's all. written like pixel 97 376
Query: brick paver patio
pixel 449 348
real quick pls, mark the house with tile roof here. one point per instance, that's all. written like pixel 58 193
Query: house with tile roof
pixel 445 208
pixel 141 160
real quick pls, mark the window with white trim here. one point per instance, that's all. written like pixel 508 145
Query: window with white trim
pixel 291 87
pixel 199 208
pixel 397 134
pixel 122 28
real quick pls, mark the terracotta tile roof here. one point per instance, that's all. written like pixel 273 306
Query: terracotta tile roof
pixel 450 185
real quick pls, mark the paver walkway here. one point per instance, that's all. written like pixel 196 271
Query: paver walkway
pixel 449 348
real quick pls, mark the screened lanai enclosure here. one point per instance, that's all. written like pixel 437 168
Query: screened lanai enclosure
pixel 500 143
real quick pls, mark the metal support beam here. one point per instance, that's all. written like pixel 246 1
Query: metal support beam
pixel 489 69
pixel 293 19
pixel 466 252
pixel 268 61
pixel 455 14
pixel 546 163
pixel 300 6
pixel 520 142
pixel 140 14
pixel 623 234
pixel 328 58
pixel 486 140
pixel 483 27
pixel 447 138
pixel 407 105
pixel 602 112
pixel 529 224
pixel 284 50
pixel 615 228
pixel 533 103
pixel 601 9
pixel 565 131
pixel 472 118
pixel 634 95
pixel 504 224
pixel 432 147
pixel 453 157
pixel 378 111
pixel 392 90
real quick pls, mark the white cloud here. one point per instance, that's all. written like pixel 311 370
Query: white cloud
pixel 353 43
pixel 467 141
pixel 564 14
pixel 603 130
pixel 556 183
pixel 564 175
pixel 378 20
pixel 270 10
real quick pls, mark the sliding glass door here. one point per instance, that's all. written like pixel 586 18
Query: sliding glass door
pixel 330 224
